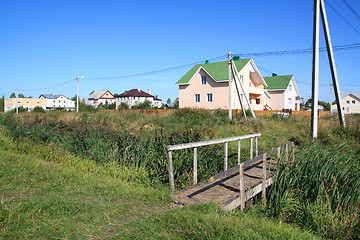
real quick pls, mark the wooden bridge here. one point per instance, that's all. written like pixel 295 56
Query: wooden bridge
pixel 234 186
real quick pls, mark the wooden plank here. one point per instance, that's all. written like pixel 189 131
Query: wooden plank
pixel 293 151
pixel 226 145
pixel 210 142
pixel 286 153
pixel 264 182
pixel 242 189
pixel 256 147
pixel 171 171
pixel 195 166
pixel 239 151
pixel 251 147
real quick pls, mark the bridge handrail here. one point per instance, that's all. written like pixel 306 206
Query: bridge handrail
pixel 195 145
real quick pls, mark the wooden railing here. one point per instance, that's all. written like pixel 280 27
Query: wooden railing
pixel 195 145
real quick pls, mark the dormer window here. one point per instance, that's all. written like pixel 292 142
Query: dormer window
pixel 203 80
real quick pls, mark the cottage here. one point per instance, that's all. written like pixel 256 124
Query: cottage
pixel 283 91
pixel 54 101
pixel 136 96
pixel 100 97
pixel 207 86
pixel 350 102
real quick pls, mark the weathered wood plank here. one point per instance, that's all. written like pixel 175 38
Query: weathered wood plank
pixel 195 166
pixel 171 171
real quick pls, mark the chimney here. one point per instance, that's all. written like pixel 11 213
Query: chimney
pixel 138 89
pixel 149 91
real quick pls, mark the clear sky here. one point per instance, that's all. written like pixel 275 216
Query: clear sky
pixel 46 43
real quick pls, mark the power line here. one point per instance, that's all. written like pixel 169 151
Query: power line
pixel 43 88
pixel 353 11
pixel 342 17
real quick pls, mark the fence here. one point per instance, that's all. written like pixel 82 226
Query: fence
pixel 195 145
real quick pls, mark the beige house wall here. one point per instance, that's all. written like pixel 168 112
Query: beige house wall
pixel 220 91
pixel 349 105
pixel 30 103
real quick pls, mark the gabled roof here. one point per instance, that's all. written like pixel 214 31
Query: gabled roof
pixel 219 71
pixel 98 94
pixel 278 82
pixel 136 93
pixel 353 94
pixel 51 96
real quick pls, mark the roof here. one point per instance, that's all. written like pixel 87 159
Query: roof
pixel 277 82
pixel 353 94
pixel 218 70
pixel 51 96
pixel 136 93
pixel 97 94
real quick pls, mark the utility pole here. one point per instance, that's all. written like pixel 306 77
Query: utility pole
pixel 331 98
pixel 17 108
pixel 315 72
pixel 332 63
pixel 77 95
pixel 230 109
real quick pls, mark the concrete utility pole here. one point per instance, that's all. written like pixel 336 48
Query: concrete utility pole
pixel 230 109
pixel 77 95
pixel 320 6
pixel 330 98
pixel 332 63
pixel 315 72
pixel 17 108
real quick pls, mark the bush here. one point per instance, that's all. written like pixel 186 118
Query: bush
pixel 38 109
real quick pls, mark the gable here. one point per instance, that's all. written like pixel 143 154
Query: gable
pixel 219 71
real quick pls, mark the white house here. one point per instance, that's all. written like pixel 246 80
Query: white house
pixel 54 101
pixel 136 96
pixel 100 97
pixel 350 102
pixel 283 91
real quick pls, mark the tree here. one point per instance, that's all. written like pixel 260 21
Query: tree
pixel 168 101
pixel 20 95
pixel 38 109
pixel 176 103
pixel 144 105
pixel 2 101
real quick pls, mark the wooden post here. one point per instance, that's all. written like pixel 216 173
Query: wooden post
pixel 195 166
pixel 230 91
pixel 286 152
pixel 293 151
pixel 226 156
pixel 251 147
pixel 171 171
pixel 256 147
pixel 279 153
pixel 264 182
pixel 242 189
pixel 239 151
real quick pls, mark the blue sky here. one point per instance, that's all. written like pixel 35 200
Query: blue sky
pixel 46 43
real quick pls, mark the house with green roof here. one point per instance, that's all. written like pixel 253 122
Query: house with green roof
pixel 207 86
pixel 283 91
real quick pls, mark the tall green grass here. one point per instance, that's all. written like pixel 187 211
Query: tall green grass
pixel 320 190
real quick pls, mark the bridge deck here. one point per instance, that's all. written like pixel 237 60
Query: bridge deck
pixel 225 189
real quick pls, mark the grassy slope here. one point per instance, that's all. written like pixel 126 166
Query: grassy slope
pixel 42 199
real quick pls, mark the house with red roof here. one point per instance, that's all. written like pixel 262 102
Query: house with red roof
pixel 136 96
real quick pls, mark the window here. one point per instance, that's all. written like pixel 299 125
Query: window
pixel 197 97
pixel 209 97
pixel 54 101
pixel 203 80
pixel 249 83
pixel 289 101
pixel 353 101
pixel 347 102
pixel 59 101
pixel 64 101
pixel 290 88
pixel 347 110
pixel 258 101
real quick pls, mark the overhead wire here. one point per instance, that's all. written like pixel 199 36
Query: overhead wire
pixel 343 18
pixel 352 10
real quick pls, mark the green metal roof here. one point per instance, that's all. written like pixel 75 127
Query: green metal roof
pixel 218 70
pixel 277 82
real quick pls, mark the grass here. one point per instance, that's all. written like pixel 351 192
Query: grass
pixel 55 199
pixel 129 149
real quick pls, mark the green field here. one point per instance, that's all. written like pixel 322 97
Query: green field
pixel 103 175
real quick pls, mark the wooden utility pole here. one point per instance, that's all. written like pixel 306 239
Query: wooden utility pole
pixel 229 63
pixel 77 95
pixel 315 72
pixel 332 63
pixel 17 96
